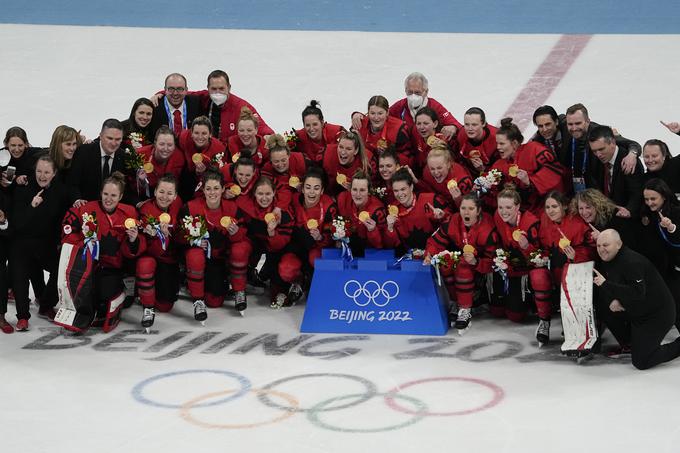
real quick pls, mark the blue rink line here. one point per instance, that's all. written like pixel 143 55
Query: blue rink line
pixel 442 16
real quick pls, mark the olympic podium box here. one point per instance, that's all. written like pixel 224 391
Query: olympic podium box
pixel 374 295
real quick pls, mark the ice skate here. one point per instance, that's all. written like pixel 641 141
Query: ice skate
pixel 463 320
pixel 543 332
pixel 294 293
pixel 240 302
pixel 148 318
pixel 200 312
pixel 254 279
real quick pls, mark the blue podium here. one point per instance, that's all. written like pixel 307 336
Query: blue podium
pixel 374 295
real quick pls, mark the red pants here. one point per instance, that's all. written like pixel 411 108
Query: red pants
pixel 290 266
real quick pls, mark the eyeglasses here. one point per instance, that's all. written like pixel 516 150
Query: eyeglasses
pixel 175 89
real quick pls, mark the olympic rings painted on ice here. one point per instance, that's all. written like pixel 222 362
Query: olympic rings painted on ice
pixel 138 390
pixel 497 396
pixel 313 415
pixel 370 291
pixel 417 412
pixel 185 411
pixel 371 390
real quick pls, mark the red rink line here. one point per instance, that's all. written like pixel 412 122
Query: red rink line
pixel 546 78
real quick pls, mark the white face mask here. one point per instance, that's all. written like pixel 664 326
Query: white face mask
pixel 415 101
pixel 218 98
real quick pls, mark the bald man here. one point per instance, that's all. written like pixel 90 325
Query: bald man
pixel 634 302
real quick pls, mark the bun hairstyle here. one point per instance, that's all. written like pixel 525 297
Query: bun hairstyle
pixel 277 142
pixel 510 130
pixel 312 109
pixel 247 115
pixel 117 179
pixel 510 193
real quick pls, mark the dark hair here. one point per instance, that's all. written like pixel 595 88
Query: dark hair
pixel 601 132
pixel 476 111
pixel 243 161
pixel 163 130
pixel 117 179
pixel 662 145
pixel 134 127
pixel 17 132
pixel 546 110
pixel 379 101
pixel 510 130
pixel 48 159
pixel 112 123
pixel 218 73
pixel 202 121
pixel 264 181
pixel 402 175
pixel 169 178
pixel 578 108
pixel 474 198
pixel 360 174
pixel 390 152
pixel 660 186
pixel 428 111
pixel 315 172
pixel 312 109
pixel 557 196
pixel 212 174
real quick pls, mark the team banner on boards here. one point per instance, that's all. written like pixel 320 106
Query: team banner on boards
pixel 375 294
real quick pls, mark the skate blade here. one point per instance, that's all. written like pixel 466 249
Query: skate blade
pixel 147 330
pixel 203 323
pixel 242 313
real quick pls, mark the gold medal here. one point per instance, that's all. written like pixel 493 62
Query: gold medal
pixel 341 179
pixel 564 242
pixel 451 184
pixel 130 223
pixel 148 167
pixel 475 154
pixel 269 217
pixel 364 216
pixel 197 158
pixel 382 144
pixel 312 224
pixel 467 248
pixel 431 140
pixel 235 157
pixel 294 181
pixel 164 218
pixel 235 189
pixel 512 171
pixel 517 235
pixel 393 210
pixel 225 221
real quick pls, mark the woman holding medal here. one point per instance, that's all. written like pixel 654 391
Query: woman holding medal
pixel 313 213
pixel 239 178
pixel 104 233
pixel 345 158
pixel 157 271
pixel 160 159
pixel 566 237
pixel 200 151
pixel 247 143
pixel 379 130
pixel 365 213
pixel 518 237
pixel 316 135
pixel 411 221
pixel 388 164
pixel 284 168
pixel 444 177
pixel 472 233
pixel 271 229
pixel 428 136
pixel 477 146
pixel 660 234
pixel 214 230
pixel 531 167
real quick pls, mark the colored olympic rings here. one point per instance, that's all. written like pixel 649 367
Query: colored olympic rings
pixel 186 408
pixel 409 405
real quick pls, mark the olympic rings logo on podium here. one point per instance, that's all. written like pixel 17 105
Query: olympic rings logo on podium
pixel 371 292
pixel 394 399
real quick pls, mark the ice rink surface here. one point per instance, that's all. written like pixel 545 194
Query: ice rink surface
pixel 256 383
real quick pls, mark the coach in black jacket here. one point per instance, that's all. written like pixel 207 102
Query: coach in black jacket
pixel 94 162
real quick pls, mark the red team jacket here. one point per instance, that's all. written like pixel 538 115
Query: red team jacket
pixel 149 210
pixel 324 212
pixel 518 257
pixel 400 110
pixel 235 147
pixel 375 209
pixel 415 224
pixel 257 226
pixel 229 114
pixel 174 165
pixel 394 133
pixel 575 230
pixel 457 173
pixel 332 167
pixel 486 147
pixel 314 151
pixel 210 154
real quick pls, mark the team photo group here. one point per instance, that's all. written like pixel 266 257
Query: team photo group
pixel 195 190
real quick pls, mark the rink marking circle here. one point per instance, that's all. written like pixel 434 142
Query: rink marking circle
pixel 498 395
pixel 138 390
pixel 313 414
pixel 371 391
pixel 185 410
